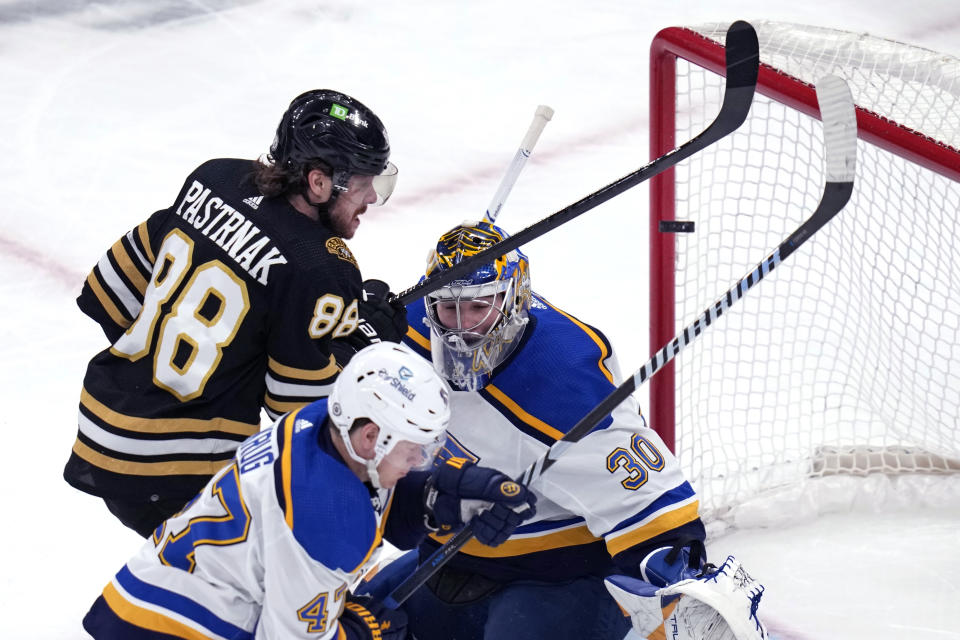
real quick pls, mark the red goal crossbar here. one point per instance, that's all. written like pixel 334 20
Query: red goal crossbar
pixel 675 42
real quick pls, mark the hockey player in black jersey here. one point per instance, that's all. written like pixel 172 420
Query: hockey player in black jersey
pixel 242 294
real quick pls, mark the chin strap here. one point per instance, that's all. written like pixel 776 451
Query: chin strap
pixel 373 474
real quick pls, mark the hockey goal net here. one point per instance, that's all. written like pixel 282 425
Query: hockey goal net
pixel 846 363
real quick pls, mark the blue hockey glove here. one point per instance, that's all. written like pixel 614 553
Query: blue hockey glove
pixel 666 565
pixel 459 492
pixel 364 618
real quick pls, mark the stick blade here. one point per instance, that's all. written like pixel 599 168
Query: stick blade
pixel 839 115
pixel 743 55
pixel 743 67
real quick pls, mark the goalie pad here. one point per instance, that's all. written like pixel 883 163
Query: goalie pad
pixel 720 605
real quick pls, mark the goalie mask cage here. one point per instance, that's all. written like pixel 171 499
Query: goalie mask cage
pixel 846 362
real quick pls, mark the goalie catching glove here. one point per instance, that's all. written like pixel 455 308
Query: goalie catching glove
pixel 675 594
pixel 460 492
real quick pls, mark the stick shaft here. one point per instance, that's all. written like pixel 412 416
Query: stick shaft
pixel 742 68
pixel 541 117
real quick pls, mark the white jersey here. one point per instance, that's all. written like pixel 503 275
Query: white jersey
pixel 268 550
pixel 617 488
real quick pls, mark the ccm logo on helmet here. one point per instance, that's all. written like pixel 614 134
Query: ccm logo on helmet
pixel 397 384
pixel 509 489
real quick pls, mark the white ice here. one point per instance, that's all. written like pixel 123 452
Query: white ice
pixel 108 105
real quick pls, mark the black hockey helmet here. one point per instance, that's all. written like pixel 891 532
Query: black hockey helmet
pixel 332 127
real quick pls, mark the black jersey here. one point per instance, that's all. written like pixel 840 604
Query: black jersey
pixel 223 302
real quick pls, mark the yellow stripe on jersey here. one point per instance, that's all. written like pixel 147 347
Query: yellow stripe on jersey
pixel 522 546
pixel 661 524
pixel 168 468
pixel 420 339
pixel 147 619
pixel 128 267
pixel 282 407
pixel 145 241
pixel 106 302
pixel 604 352
pixel 377 539
pixel 531 420
pixel 286 475
pixel 328 371
pixel 286 468
pixel 163 425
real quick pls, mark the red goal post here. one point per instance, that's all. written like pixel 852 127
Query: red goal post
pixel 749 410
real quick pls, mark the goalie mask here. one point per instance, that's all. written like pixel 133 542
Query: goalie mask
pixel 476 322
pixel 340 131
pixel 402 394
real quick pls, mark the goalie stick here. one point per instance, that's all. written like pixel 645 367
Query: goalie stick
pixel 541 117
pixel 742 62
pixel 840 143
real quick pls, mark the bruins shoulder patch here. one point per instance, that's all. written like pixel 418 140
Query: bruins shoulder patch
pixel 339 248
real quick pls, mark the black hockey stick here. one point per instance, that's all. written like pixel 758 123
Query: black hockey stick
pixel 743 63
pixel 840 142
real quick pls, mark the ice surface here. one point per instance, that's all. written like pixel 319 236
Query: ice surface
pixel 108 105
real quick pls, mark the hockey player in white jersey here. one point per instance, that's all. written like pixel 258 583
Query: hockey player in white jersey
pixel 616 502
pixel 272 546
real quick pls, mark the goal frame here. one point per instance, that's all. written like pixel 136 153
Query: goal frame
pixel 678 42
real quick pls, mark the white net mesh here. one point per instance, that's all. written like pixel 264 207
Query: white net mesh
pixel 846 359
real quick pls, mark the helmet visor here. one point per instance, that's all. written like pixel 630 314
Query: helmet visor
pixel 384 183
pixel 366 189
pixel 413 456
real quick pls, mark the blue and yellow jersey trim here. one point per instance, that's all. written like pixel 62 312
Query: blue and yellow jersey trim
pixel 421 340
pixel 146 605
pixel 675 508
pixel 598 338
pixel 286 467
pixel 539 536
pixel 327 486
pixel 562 389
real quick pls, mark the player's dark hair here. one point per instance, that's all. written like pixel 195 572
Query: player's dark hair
pixel 273 179
pixel 359 422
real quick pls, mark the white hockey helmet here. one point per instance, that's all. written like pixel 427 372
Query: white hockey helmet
pixel 401 393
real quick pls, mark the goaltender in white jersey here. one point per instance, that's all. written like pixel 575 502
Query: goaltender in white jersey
pixel 272 546
pixel 616 502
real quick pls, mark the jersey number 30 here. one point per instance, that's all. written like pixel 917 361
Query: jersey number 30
pixel 641 458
